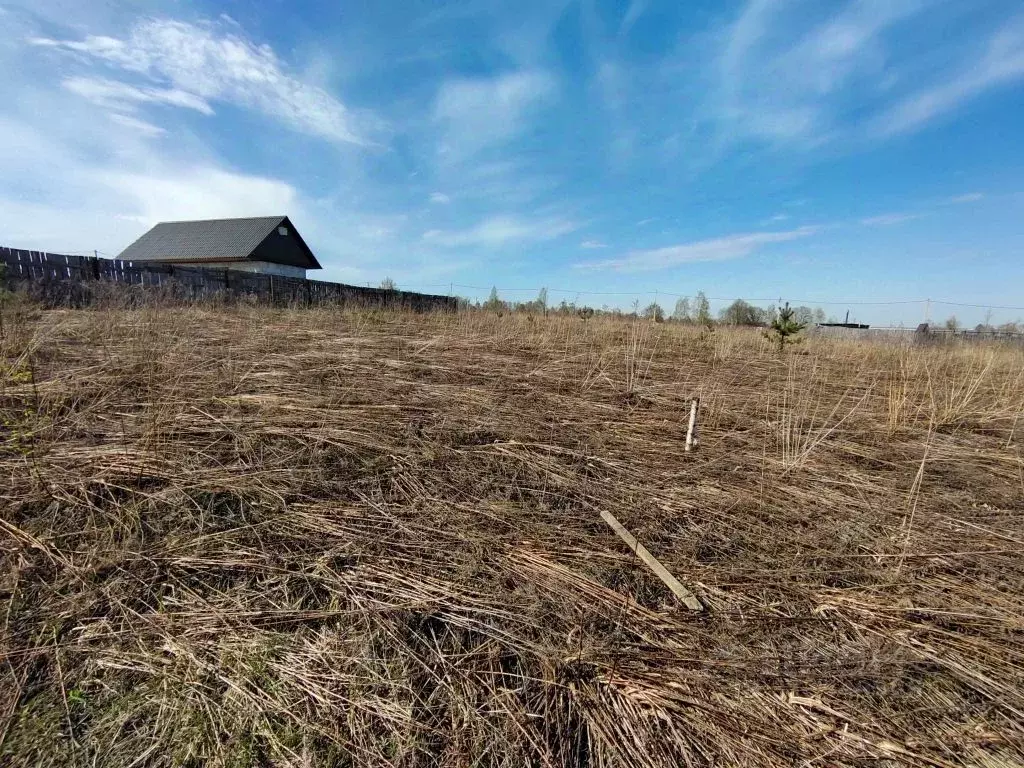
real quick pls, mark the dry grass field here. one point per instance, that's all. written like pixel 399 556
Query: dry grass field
pixel 246 536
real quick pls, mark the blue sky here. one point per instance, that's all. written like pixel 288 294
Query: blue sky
pixel 808 150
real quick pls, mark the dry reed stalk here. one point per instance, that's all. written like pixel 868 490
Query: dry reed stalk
pixel 244 536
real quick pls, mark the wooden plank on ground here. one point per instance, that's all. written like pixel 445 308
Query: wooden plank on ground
pixel 685 596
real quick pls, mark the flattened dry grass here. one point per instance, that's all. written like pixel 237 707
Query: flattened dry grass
pixel 300 537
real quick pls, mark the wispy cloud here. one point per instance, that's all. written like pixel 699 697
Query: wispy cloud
pixel 716 249
pixel 899 217
pixel 1002 62
pixel 593 244
pixel 501 230
pixel 633 13
pixel 439 198
pixel 890 219
pixel 781 81
pixel 201 64
pixel 970 197
pixel 140 127
pixel 114 94
pixel 482 112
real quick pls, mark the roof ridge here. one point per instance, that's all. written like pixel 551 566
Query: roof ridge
pixel 229 218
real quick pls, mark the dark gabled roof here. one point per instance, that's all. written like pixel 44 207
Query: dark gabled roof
pixel 211 240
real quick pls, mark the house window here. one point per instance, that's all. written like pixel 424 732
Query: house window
pixel 282 230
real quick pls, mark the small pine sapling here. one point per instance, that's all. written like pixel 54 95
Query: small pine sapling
pixel 784 328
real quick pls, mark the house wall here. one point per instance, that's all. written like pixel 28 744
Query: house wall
pixel 262 267
pixel 282 249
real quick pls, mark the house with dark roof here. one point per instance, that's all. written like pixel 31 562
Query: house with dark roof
pixel 268 245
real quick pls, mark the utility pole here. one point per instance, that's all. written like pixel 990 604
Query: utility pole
pixel 928 311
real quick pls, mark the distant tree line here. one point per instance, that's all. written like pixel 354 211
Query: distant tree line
pixel 692 312
pixel 741 312
pixel 695 311
pixel 952 324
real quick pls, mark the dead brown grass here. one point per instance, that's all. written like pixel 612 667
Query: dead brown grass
pixel 270 537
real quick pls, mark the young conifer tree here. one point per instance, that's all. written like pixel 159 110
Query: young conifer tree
pixel 785 328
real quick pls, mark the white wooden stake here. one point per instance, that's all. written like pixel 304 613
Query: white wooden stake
pixel 692 438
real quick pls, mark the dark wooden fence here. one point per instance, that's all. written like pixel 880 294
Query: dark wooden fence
pixel 60 279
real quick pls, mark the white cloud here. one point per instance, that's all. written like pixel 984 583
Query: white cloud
pixel 96 134
pixel 374 231
pixel 781 82
pixel 900 217
pixel 890 219
pixel 105 205
pixel 113 94
pixel 970 197
pixel 118 207
pixel 202 65
pixel 1001 63
pixel 633 13
pixel 199 192
pixel 482 112
pixel 106 201
pixel 716 249
pixel 139 126
pixel 439 198
pixel 501 230
pixel 499 184
pixel 593 244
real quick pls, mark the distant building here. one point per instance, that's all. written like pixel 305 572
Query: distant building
pixel 268 245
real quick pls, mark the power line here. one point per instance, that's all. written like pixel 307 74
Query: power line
pixel 975 306
pixel 845 301
pixel 862 302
